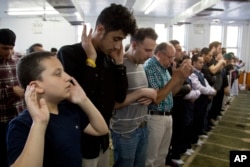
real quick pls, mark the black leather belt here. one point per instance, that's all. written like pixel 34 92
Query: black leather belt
pixel 143 124
pixel 155 112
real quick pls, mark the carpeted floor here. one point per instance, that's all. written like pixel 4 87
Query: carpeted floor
pixel 231 133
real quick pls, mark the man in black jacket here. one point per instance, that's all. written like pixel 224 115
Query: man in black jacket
pixel 97 64
pixel 177 142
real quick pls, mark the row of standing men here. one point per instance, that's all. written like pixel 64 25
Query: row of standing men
pixel 135 97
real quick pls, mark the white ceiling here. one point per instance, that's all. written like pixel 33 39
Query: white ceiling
pixel 173 10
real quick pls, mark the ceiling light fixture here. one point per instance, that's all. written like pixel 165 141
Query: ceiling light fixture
pixel 150 7
pixel 38 12
pixel 31 12
pixel 231 21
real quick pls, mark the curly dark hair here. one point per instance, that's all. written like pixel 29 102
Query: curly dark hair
pixel 117 17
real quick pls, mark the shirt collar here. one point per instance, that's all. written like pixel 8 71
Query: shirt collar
pixel 197 70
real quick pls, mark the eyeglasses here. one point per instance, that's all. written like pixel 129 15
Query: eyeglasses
pixel 169 57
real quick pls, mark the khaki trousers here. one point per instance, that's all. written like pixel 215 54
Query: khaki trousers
pixel 159 138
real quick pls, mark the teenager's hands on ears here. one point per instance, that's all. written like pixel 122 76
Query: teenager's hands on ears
pixel 118 55
pixel 87 44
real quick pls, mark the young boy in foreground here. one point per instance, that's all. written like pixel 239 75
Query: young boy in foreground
pixel 49 132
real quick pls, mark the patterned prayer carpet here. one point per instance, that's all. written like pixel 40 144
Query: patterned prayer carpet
pixel 231 133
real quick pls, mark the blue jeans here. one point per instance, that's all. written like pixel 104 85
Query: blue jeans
pixel 130 148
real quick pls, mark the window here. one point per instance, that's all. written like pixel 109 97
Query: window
pixel 232 39
pixel 228 35
pixel 215 33
pixel 179 34
pixel 232 36
pixel 161 32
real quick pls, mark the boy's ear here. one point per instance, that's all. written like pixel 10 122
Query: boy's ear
pixel 37 86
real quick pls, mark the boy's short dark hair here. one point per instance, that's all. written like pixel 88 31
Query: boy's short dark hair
pixel 143 33
pixel 117 17
pixel 29 67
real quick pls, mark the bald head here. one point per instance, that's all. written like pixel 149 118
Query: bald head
pixel 165 53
